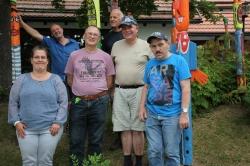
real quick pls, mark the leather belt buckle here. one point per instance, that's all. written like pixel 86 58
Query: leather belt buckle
pixel 94 97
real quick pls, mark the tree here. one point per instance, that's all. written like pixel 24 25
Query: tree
pixel 5 47
pixel 138 7
pixel 205 8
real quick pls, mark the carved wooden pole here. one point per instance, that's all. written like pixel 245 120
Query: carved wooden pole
pixel 15 42
pixel 5 45
pixel 239 43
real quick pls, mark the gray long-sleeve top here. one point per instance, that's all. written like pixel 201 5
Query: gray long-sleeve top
pixel 38 104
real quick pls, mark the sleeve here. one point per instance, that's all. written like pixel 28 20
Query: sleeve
pixel 146 74
pixel 14 100
pixel 104 46
pixel 184 70
pixel 150 54
pixel 46 41
pixel 62 100
pixel 69 69
pixel 76 44
pixel 113 50
pixel 109 66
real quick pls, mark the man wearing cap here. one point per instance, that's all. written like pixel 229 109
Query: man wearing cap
pixel 130 56
pixel 164 102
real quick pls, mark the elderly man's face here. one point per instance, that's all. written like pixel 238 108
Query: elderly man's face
pixel 115 18
pixel 92 36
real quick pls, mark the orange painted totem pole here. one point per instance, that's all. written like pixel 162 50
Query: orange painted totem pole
pixel 15 42
pixel 182 45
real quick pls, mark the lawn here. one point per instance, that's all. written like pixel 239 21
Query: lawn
pixel 221 138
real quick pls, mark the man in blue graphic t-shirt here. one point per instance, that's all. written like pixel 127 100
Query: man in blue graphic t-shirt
pixel 165 102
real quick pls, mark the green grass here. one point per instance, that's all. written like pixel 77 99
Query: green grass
pixel 221 138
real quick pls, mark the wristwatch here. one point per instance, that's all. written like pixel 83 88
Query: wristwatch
pixel 185 110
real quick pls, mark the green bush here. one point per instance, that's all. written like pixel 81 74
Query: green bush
pixel 3 94
pixel 220 66
pixel 93 160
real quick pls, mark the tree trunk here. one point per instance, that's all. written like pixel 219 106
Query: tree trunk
pixel 5 45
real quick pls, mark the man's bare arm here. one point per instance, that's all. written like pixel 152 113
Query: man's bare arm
pixel 70 79
pixel 185 101
pixel 33 32
pixel 143 111
pixel 110 81
pixel 185 90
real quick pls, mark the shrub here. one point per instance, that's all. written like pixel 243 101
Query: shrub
pixel 3 94
pixel 93 160
pixel 220 66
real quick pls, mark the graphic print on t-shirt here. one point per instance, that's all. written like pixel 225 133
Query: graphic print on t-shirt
pixel 91 70
pixel 161 78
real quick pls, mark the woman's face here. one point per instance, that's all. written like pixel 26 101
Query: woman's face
pixel 39 61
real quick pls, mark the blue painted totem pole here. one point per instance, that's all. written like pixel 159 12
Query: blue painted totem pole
pixel 239 43
pixel 182 45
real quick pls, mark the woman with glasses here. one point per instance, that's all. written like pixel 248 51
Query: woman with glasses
pixel 38 110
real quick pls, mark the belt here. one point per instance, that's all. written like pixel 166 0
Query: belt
pixel 93 97
pixel 128 86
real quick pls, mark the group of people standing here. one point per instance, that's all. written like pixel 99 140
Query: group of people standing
pixel 151 89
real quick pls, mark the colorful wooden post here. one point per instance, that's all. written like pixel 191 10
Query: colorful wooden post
pixel 239 44
pixel 15 42
pixel 182 45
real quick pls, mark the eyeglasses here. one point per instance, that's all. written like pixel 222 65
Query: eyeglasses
pixel 92 34
pixel 39 57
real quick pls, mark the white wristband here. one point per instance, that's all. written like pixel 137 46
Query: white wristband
pixel 16 122
pixel 185 110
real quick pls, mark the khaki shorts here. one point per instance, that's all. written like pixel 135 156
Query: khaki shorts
pixel 126 110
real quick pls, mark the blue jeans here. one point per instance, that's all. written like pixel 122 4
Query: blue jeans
pixel 163 135
pixel 87 119
pixel 38 147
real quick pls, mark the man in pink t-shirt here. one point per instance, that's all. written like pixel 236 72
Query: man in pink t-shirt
pixel 89 73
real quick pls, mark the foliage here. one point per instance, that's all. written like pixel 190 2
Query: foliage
pixel 246 98
pixel 82 14
pixel 139 7
pixel 3 94
pixel 204 8
pixel 219 65
pixel 59 4
pixel 93 160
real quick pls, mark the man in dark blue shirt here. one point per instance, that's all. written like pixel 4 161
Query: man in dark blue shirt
pixel 115 33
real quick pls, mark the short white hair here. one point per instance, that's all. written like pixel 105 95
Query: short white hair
pixel 119 12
